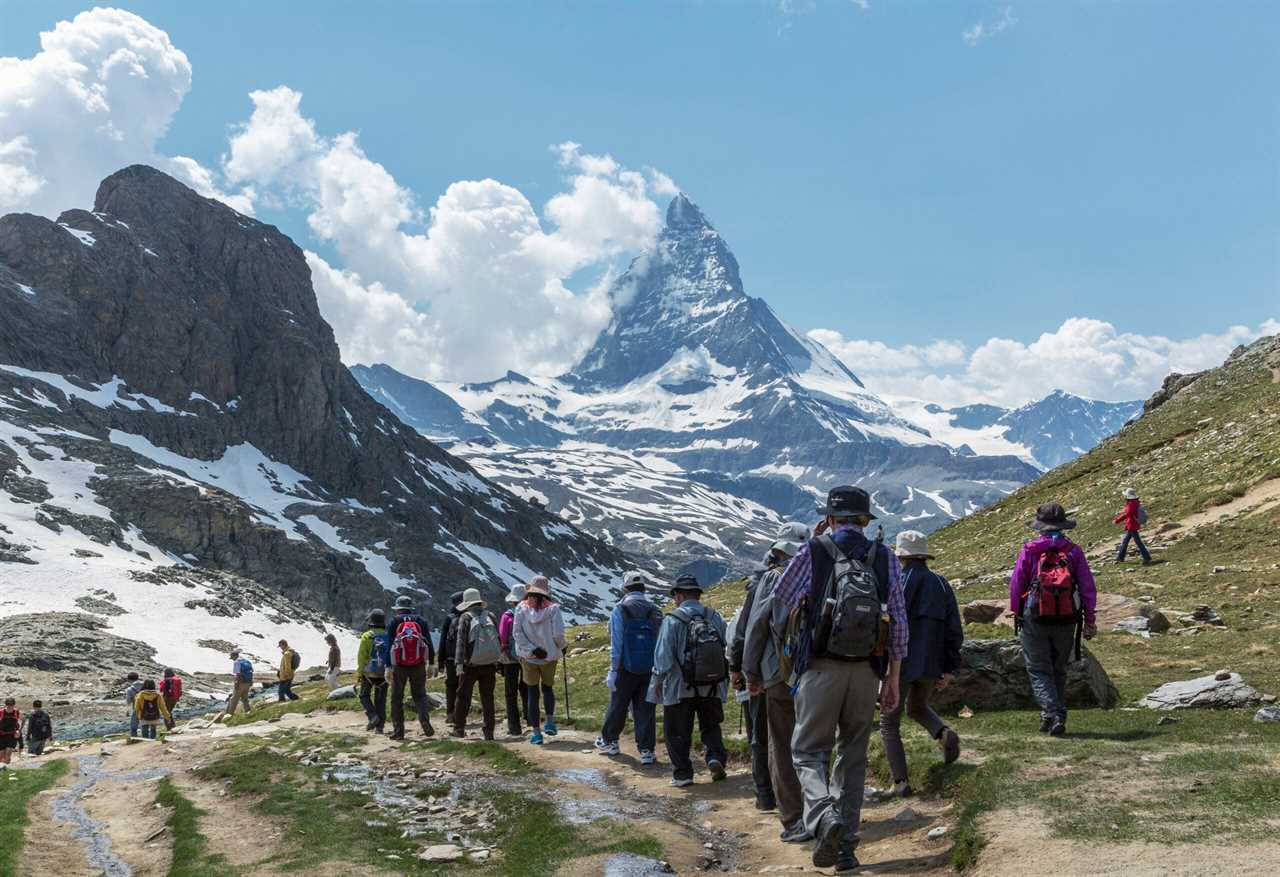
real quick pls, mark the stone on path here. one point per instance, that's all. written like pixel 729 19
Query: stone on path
pixel 442 853
pixel 1204 692
pixel 1269 713
pixel 346 692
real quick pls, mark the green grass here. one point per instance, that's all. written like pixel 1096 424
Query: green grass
pixel 15 795
pixel 190 855
pixel 311 697
pixel 495 756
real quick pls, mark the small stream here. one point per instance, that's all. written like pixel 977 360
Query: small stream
pixel 84 828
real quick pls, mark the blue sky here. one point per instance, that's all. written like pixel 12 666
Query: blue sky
pixel 877 174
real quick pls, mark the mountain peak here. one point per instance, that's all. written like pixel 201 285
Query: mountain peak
pixel 683 213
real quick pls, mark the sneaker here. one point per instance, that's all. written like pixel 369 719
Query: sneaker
pixel 827 847
pixel 681 783
pixel 550 728
pixel 795 833
pixel 950 743
pixel 536 738
pixel 902 789
pixel 847 862
pixel 647 757
pixel 717 770
pixel 1045 724
pixel 396 735
pixel 1058 728
pixel 598 744
pixel 608 749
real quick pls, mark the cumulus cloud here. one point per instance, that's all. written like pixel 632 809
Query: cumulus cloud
pixel 1087 357
pixel 97 96
pixel 985 30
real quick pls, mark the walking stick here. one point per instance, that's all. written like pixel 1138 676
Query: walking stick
pixel 568 713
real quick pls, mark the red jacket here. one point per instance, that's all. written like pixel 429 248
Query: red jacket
pixel 1129 517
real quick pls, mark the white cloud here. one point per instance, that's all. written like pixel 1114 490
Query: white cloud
pixel 1083 356
pixel 984 30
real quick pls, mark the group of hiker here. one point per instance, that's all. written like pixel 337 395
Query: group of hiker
pixel 32 731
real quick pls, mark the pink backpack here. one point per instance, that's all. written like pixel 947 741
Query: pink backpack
pixel 409 648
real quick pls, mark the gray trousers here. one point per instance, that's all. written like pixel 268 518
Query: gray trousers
pixel 780 710
pixel 835 706
pixel 915 702
pixel 1046 649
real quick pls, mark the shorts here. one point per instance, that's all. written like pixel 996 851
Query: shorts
pixel 538 674
pixel 8 742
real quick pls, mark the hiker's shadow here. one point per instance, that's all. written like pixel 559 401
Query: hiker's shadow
pixel 1132 736
pixel 919 863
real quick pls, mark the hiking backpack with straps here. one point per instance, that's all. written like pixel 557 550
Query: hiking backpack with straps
pixel 704 661
pixel 150 710
pixel 244 670
pixel 10 723
pixel 171 687
pixel 1141 516
pixel 378 657
pixel 295 659
pixel 639 636
pixel 1054 596
pixel 409 648
pixel 854 617
pixel 39 726
pixel 483 645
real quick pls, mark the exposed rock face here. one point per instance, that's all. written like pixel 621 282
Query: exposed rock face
pixel 1206 692
pixel 1268 713
pixel 984 611
pixel 994 677
pixel 1172 386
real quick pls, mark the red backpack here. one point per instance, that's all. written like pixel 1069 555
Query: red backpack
pixel 10 723
pixel 409 648
pixel 1053 597
pixel 171 687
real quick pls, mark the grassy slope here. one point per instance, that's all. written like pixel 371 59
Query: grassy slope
pixel 15 795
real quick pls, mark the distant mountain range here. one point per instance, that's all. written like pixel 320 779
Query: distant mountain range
pixel 699 419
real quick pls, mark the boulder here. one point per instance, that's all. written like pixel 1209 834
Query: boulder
pixel 1136 625
pixel 983 611
pixel 994 677
pixel 346 692
pixel 1269 713
pixel 1147 621
pixel 442 853
pixel 1204 692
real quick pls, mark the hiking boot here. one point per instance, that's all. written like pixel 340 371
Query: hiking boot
pixel 950 743
pixel 1146 561
pixel 647 757
pixel 847 862
pixel 515 732
pixel 827 847
pixel 428 731
pixel 682 783
pixel 368 726
pixel 1058 728
pixel 766 804
pixel 717 770
pixel 795 833
pixel 536 738
pixel 1045 724
pixel 549 728
pixel 377 729
pixel 457 732
pixel 397 734
pixel 901 789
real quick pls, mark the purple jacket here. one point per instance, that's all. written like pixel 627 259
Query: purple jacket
pixel 1029 562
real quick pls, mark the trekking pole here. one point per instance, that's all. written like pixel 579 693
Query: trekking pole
pixel 568 713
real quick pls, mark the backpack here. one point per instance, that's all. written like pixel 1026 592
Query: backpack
pixel 639 636
pixel 1142 516
pixel 295 660
pixel 171 687
pixel 1053 597
pixel 377 664
pixel 244 670
pixel 483 646
pixel 10 723
pixel 704 661
pixel 409 648
pixel 39 726
pixel 854 616
pixel 150 710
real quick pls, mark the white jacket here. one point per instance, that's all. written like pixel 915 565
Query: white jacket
pixel 539 628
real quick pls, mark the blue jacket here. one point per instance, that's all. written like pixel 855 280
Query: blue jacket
pixel 933 619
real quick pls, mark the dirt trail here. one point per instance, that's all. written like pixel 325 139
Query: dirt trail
pixel 1261 497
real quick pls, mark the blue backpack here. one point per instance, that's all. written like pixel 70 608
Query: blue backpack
pixel 379 657
pixel 639 636
pixel 244 670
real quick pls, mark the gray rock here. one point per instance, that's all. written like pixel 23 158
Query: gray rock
pixel 994 677
pixel 983 611
pixel 1205 692
pixel 346 692
pixel 1269 713
pixel 1136 625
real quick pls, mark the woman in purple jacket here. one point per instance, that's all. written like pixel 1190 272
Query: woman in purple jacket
pixel 1052 594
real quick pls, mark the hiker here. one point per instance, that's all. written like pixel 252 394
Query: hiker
pixel 39 728
pixel 633 634
pixel 514 689
pixel 933 655
pixel 372 659
pixel 842 593
pixel 289 661
pixel 335 662
pixel 10 731
pixel 242 678
pixel 1133 517
pixel 1052 596
pixel 131 695
pixel 763 671
pixel 690 680
pixel 478 651
pixel 539 636
pixel 171 689
pixel 149 705
pixel 448 650
pixel 411 653
pixel 755 708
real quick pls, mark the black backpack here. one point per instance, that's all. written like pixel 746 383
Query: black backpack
pixel 150 710
pixel 704 661
pixel 39 726
pixel 295 660
pixel 854 616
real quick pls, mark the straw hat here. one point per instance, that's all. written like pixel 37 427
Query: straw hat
pixel 539 585
pixel 471 597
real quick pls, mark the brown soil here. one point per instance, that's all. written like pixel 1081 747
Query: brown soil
pixel 49 847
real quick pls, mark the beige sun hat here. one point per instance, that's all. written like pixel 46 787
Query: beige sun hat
pixel 516 595
pixel 782 546
pixel 913 543
pixel 1130 493
pixel 539 585
pixel 471 597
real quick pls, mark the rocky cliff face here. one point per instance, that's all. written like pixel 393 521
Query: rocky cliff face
pixel 170 392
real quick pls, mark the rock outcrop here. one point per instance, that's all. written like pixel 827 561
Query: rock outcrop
pixel 994 677
pixel 1220 691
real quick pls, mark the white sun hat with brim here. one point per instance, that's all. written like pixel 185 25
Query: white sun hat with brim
pixel 913 543
pixel 635 581
pixel 471 597
pixel 516 595
pixel 782 546
pixel 792 531
pixel 1130 493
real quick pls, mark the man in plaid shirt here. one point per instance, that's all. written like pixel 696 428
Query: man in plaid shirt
pixel 835 696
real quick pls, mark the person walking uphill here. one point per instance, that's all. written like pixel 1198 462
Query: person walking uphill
pixel 513 687
pixel 171 689
pixel 477 655
pixel 289 661
pixel 933 655
pixel 39 728
pixel 1052 595
pixel 130 696
pixel 763 671
pixel 10 731
pixel 373 657
pixel 448 648
pixel 690 680
pixel 242 676
pixel 151 710
pixel 1133 517
pixel 633 635
pixel 844 592
pixel 540 642
pixel 411 654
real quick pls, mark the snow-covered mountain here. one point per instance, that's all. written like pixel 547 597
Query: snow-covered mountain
pixel 700 382
pixel 183 453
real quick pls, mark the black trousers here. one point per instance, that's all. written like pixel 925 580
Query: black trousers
pixel 450 686
pixel 484 677
pixel 516 694
pixel 416 678
pixel 677 727
pixel 758 737
pixel 373 697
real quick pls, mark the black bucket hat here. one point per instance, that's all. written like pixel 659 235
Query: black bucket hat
pixel 1051 516
pixel 847 502
pixel 686 583
pixel 376 618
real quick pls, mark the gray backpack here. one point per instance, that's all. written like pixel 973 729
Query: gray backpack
pixel 704 662
pixel 485 649
pixel 851 624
